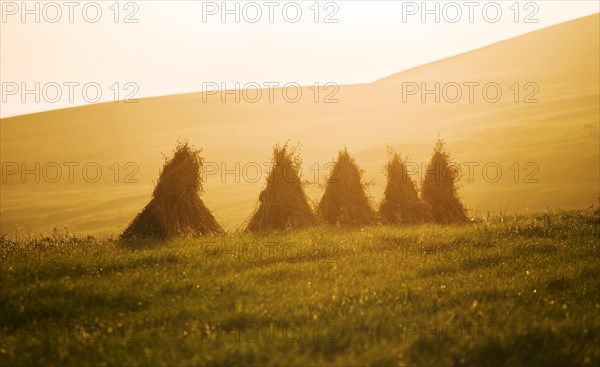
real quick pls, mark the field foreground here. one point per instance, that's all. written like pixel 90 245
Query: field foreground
pixel 522 291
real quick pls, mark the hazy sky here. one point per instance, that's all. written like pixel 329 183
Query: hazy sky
pixel 167 47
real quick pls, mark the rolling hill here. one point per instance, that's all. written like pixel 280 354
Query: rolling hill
pixel 544 139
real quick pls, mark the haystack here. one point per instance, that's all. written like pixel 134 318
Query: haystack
pixel 176 208
pixel 401 203
pixel 283 203
pixel 439 188
pixel 345 201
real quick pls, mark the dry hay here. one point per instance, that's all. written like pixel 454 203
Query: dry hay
pixel 439 188
pixel 283 203
pixel 401 203
pixel 176 208
pixel 345 201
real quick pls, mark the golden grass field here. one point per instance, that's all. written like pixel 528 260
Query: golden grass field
pixel 557 136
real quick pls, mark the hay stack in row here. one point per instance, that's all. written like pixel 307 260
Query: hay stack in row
pixel 401 203
pixel 283 203
pixel 439 188
pixel 175 208
pixel 345 201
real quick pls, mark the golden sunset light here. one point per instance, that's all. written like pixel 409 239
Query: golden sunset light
pixel 343 183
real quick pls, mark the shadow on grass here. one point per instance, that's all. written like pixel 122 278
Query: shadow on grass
pixel 142 243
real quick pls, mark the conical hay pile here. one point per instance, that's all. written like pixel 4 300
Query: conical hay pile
pixel 345 201
pixel 283 203
pixel 439 188
pixel 401 203
pixel 175 208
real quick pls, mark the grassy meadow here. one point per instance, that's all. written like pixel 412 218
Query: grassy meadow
pixel 519 291
pixel 520 288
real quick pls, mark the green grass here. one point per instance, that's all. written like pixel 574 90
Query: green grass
pixel 518 292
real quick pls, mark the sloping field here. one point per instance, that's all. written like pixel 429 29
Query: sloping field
pixel 554 138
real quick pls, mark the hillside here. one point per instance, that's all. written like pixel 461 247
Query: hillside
pixel 555 140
